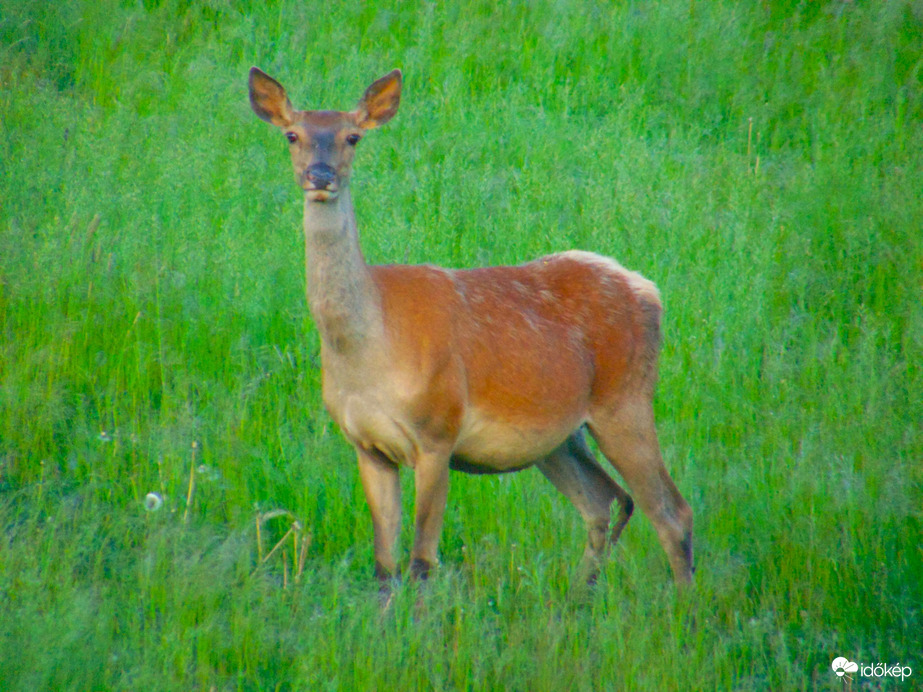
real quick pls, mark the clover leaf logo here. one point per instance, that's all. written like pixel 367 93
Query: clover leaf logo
pixel 841 666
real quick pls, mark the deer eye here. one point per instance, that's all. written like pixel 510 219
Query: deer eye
pixel 353 139
pixel 291 137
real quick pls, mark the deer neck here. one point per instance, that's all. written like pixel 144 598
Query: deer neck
pixel 341 293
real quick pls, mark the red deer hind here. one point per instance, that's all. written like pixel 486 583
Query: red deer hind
pixel 483 370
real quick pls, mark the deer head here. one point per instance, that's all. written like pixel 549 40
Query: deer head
pixel 322 143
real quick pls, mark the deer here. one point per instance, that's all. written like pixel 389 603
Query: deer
pixel 485 371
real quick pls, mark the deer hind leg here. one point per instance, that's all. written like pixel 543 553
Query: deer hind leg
pixel 627 437
pixel 574 471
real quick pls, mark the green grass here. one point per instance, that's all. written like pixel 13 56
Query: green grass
pixel 760 162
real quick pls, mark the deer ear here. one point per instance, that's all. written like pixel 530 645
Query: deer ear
pixel 380 101
pixel 268 99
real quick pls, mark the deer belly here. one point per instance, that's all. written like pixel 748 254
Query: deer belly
pixel 489 444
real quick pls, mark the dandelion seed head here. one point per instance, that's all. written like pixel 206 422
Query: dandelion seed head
pixel 153 502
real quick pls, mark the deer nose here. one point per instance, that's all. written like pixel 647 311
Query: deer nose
pixel 321 176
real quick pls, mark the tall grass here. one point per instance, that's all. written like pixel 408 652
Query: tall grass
pixel 761 163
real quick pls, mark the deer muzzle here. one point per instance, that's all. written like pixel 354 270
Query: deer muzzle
pixel 320 182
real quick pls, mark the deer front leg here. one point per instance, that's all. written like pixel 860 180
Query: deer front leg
pixel 431 480
pixel 382 486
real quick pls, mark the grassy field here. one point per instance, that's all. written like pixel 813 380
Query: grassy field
pixel 762 162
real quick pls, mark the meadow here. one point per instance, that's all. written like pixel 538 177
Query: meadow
pixel 761 162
